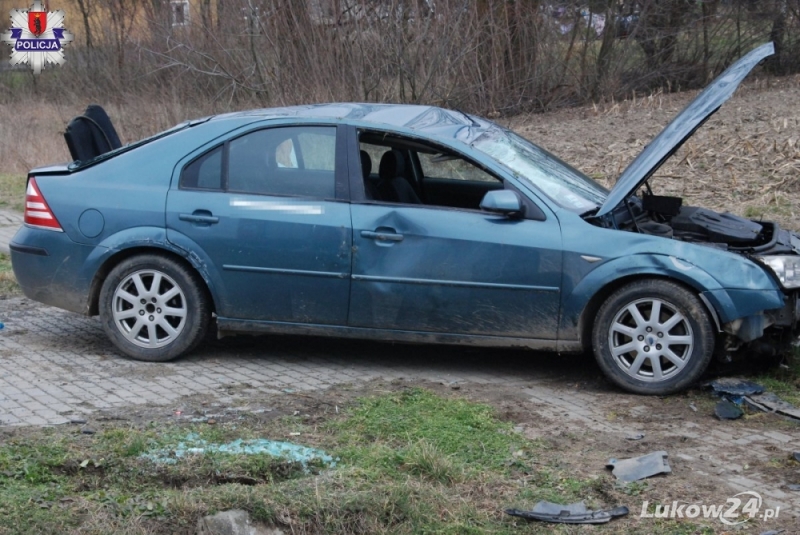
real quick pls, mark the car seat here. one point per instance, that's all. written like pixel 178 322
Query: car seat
pixel 393 185
pixel 370 190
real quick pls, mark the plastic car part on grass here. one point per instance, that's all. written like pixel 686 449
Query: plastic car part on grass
pixel 194 445
pixel 573 513
pixel 771 403
pixel 727 410
pixel 735 387
pixel 637 468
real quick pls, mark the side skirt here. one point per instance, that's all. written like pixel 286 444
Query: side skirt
pixel 231 327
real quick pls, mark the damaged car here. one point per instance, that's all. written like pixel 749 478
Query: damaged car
pixel 402 223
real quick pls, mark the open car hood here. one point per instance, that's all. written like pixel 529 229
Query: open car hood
pixel 682 127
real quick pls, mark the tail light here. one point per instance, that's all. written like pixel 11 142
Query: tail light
pixel 37 213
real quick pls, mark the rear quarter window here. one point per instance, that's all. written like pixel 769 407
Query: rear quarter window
pixel 205 172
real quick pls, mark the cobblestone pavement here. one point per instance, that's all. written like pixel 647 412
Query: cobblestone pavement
pixel 56 365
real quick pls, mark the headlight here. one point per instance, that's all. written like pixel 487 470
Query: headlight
pixel 787 268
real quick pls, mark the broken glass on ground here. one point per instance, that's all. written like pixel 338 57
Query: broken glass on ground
pixel 192 444
pixel 637 468
pixel 573 513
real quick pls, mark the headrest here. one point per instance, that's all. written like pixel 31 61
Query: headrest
pixel 392 165
pixel 366 164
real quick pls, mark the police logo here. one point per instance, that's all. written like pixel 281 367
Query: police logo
pixel 37 37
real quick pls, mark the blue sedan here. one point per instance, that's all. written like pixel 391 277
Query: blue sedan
pixel 403 223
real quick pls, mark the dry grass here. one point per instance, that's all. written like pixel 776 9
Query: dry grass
pixel 12 192
pixel 744 160
pixel 29 140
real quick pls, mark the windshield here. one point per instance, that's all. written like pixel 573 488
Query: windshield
pixel 565 185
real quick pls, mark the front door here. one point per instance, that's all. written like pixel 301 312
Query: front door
pixel 425 268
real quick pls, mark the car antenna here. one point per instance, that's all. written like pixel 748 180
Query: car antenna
pixel 470 119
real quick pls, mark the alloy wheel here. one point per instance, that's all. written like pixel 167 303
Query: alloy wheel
pixel 650 340
pixel 149 308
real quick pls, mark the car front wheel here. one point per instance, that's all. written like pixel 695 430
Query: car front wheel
pixel 653 337
pixel 153 308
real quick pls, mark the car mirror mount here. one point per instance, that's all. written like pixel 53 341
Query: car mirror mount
pixel 503 201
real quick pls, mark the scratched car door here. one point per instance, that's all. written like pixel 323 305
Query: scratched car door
pixel 439 270
pixel 266 209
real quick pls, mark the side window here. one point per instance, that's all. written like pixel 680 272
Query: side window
pixel 298 161
pixel 451 168
pixel 419 173
pixel 205 172
pixel 319 150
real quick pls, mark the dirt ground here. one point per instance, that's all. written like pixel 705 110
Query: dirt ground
pixel 703 451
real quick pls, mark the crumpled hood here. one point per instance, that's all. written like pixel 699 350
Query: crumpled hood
pixel 682 127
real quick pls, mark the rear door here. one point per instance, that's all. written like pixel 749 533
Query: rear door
pixel 269 209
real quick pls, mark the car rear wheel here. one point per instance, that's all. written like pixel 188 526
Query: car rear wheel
pixel 153 308
pixel 653 337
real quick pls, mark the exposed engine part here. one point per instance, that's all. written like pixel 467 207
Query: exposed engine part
pixel 701 224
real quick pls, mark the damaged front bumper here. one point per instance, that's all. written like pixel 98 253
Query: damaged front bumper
pixel 769 331
pixel 780 257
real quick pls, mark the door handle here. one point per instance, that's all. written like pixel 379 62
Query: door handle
pixel 200 216
pixel 381 236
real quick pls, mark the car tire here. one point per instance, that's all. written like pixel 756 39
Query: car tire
pixel 154 308
pixel 653 355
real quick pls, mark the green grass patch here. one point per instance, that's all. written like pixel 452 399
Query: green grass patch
pixel 423 424
pixel 784 381
pixel 12 192
pixel 407 462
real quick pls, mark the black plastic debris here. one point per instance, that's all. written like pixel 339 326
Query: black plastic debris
pixel 734 393
pixel 796 456
pixel 637 468
pixel 735 387
pixel 573 513
pixel 725 410
pixel 771 403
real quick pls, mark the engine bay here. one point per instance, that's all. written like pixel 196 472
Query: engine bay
pixel 667 217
